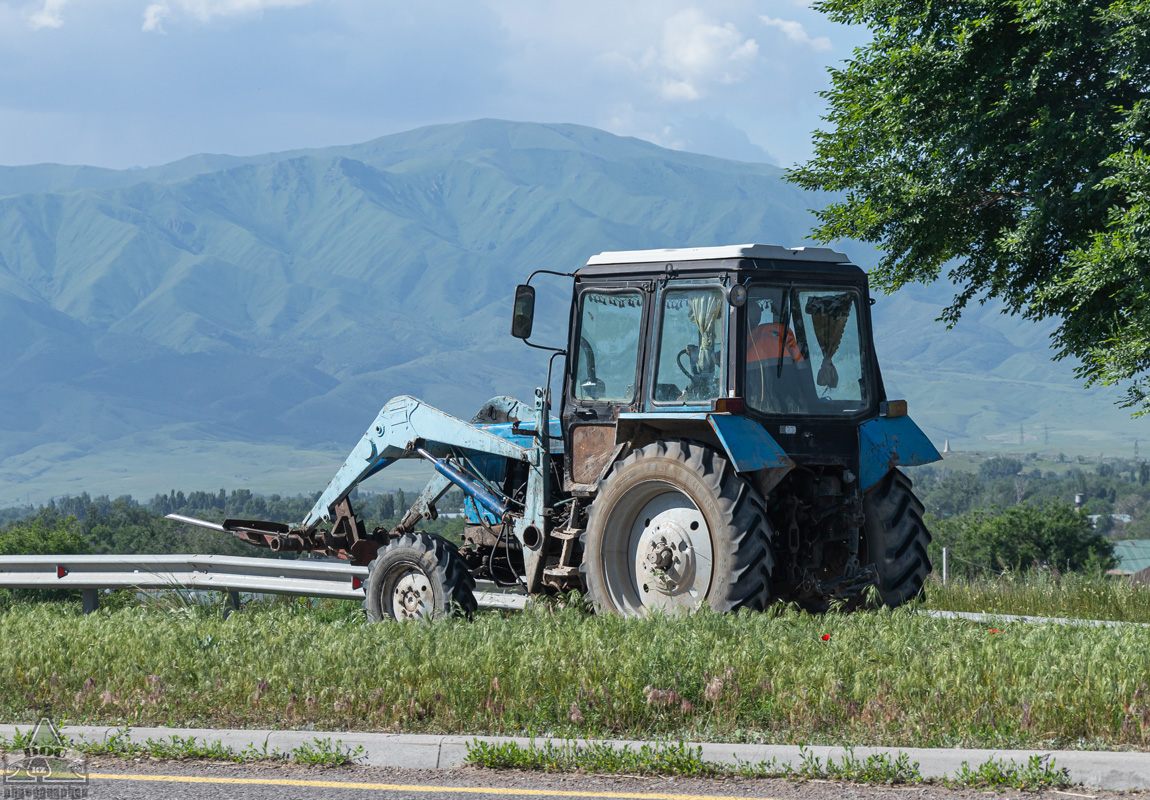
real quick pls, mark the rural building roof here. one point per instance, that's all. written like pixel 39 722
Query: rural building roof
pixel 1133 554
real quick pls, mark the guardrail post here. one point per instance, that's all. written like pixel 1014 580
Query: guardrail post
pixel 945 565
pixel 231 603
pixel 90 599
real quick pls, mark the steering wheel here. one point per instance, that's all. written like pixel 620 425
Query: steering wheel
pixel 691 356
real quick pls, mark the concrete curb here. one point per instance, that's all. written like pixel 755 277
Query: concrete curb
pixel 999 619
pixel 1092 768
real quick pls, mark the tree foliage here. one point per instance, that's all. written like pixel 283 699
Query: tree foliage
pixel 39 536
pixel 1052 535
pixel 1000 467
pixel 101 524
pixel 1002 141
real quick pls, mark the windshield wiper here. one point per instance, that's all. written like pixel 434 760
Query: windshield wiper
pixel 785 312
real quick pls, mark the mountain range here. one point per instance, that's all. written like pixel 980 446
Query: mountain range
pixel 237 321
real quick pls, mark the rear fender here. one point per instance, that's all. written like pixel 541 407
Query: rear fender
pixel 889 442
pixel 746 443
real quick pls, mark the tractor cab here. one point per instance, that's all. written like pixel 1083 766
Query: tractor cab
pixel 660 339
pixel 753 364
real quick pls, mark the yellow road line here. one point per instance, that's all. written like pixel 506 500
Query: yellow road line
pixel 395 787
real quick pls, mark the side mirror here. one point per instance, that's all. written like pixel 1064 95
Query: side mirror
pixel 523 313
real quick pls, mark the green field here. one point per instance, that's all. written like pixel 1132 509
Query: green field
pixel 894 678
pixel 1039 594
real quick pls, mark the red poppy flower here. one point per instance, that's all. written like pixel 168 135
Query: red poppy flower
pixel 995 630
pixel 826 637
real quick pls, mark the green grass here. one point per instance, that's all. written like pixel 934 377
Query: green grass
pixel 319 752
pixel 881 678
pixel 1042 594
pixel 682 760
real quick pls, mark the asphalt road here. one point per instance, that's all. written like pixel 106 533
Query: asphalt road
pixel 129 780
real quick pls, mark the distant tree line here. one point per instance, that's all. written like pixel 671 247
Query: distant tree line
pixel 1006 514
pixel 86 524
pixel 1117 487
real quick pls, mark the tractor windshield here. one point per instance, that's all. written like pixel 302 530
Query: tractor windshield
pixel 804 351
pixel 691 339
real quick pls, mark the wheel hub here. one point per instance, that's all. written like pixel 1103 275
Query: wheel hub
pixel 669 559
pixel 671 553
pixel 411 598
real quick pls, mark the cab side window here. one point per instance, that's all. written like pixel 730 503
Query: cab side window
pixel 607 353
pixel 691 345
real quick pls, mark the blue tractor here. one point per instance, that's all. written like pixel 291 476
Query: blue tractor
pixel 723 438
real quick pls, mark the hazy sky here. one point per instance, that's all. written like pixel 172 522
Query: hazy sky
pixel 123 83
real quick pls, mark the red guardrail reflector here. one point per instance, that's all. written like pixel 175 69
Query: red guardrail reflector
pixel 61 572
pixel 356 583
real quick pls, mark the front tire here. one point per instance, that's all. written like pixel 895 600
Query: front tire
pixel 896 539
pixel 418 576
pixel 674 527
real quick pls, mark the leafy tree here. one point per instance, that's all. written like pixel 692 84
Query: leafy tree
pixel 1019 538
pixel 999 467
pixel 1138 529
pixel 1003 141
pixel 386 506
pixel 39 536
pixel 953 494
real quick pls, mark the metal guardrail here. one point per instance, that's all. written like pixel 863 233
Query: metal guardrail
pixel 230 574
pixel 301 577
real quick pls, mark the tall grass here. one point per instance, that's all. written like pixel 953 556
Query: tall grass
pixel 1045 594
pixel 895 678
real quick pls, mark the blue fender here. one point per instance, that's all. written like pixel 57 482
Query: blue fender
pixel 889 442
pixel 745 441
pixel 748 444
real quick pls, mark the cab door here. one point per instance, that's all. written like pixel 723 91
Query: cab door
pixel 604 376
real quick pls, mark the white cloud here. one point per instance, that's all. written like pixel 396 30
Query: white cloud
pixel 207 10
pixel 154 17
pixel 50 15
pixel 798 34
pixel 708 77
pixel 679 90
pixel 696 50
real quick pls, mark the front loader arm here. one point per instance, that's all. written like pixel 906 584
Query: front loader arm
pixel 403 426
pixel 409 428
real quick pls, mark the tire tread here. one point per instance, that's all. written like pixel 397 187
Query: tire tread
pixel 449 569
pixel 897 538
pixel 747 534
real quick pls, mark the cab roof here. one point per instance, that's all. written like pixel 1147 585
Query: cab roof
pixel 772 252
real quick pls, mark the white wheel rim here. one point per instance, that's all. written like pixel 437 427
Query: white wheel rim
pixel 411 598
pixel 657 551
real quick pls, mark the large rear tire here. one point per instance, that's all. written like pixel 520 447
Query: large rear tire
pixel 673 527
pixel 418 576
pixel 896 539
